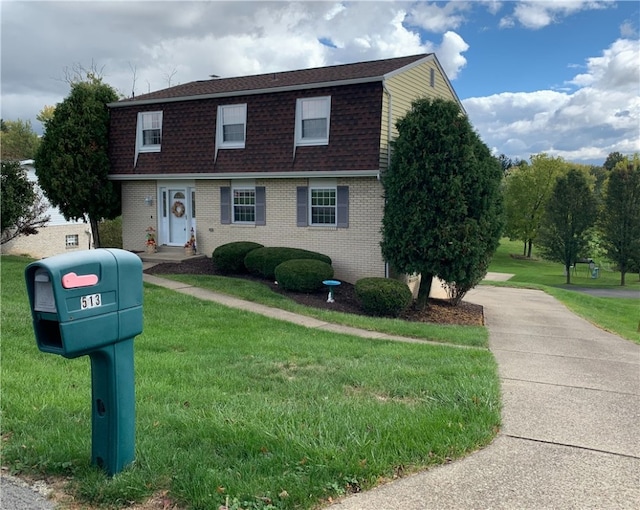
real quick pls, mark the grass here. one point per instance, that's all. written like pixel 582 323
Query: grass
pixel 618 315
pixel 238 407
pixel 256 292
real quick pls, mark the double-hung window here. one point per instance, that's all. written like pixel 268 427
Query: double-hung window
pixel 313 117
pixel 148 133
pixel 244 205
pixel 231 126
pixel 323 206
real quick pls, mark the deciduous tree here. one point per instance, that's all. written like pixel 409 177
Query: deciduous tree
pixel 72 163
pixel 21 203
pixel 570 213
pixel 442 215
pixel 527 189
pixel 18 141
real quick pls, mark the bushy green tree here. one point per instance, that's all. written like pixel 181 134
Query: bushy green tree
pixel 18 141
pixel 442 215
pixel 72 162
pixel 620 218
pixel 22 205
pixel 527 189
pixel 570 212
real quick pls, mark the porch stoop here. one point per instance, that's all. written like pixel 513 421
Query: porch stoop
pixel 168 254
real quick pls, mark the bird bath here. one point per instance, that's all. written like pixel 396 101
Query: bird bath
pixel 331 284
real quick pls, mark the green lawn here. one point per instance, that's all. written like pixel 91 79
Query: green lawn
pixel 237 407
pixel 618 315
pixel 476 336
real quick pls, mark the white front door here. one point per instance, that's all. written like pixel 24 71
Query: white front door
pixel 178 216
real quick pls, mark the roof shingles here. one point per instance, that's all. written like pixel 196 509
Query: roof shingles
pixel 300 78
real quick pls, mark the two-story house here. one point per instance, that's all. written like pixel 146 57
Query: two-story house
pixel 284 159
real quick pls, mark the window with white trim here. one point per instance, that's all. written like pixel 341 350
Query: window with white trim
pixel 149 135
pixel 322 209
pixel 244 205
pixel 322 204
pixel 72 241
pixel 312 120
pixel 231 126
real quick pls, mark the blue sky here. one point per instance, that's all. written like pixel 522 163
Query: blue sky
pixel 521 59
pixel 561 77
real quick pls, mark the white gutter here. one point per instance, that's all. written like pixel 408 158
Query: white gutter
pixel 246 175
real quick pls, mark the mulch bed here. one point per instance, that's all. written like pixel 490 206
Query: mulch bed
pixel 438 311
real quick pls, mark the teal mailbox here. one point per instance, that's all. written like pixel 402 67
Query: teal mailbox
pixel 90 303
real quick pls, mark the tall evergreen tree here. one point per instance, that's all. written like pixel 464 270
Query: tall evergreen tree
pixel 72 162
pixel 620 219
pixel 570 213
pixel 442 214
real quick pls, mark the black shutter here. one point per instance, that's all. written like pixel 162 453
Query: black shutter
pixel 302 208
pixel 343 207
pixel 261 206
pixel 225 205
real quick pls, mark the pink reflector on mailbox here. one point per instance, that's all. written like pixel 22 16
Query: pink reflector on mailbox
pixel 73 281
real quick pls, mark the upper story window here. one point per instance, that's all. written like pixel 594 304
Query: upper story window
pixel 231 126
pixel 312 120
pixel 149 131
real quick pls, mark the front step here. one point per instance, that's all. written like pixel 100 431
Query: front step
pixel 168 254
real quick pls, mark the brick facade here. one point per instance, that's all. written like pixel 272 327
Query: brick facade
pixel 355 251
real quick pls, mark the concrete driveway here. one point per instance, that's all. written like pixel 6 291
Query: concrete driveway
pixel 571 419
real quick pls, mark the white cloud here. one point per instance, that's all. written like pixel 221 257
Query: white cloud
pixel 600 117
pixel 437 17
pixel 538 14
pixel 450 54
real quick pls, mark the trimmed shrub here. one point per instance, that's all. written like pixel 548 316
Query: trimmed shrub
pixel 264 261
pixel 229 258
pixel 303 275
pixel 383 296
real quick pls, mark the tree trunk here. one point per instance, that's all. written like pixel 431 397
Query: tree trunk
pixel 529 251
pixel 524 249
pixel 95 231
pixel 622 273
pixel 567 268
pixel 423 291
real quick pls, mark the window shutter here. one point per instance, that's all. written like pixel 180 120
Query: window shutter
pixel 302 207
pixel 343 207
pixel 261 206
pixel 225 205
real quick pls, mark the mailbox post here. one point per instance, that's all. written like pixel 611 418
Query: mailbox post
pixel 90 303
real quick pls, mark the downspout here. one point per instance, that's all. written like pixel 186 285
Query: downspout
pixel 389 125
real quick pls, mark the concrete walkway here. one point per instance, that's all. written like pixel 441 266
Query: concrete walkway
pixel 571 419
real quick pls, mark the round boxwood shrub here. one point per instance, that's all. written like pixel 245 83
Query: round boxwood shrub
pixel 264 261
pixel 229 258
pixel 303 275
pixel 383 296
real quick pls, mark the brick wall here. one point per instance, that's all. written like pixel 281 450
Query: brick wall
pixel 49 241
pixel 355 251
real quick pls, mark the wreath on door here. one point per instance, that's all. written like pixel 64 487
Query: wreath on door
pixel 178 209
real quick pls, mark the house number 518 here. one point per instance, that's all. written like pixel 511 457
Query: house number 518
pixel 90 301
